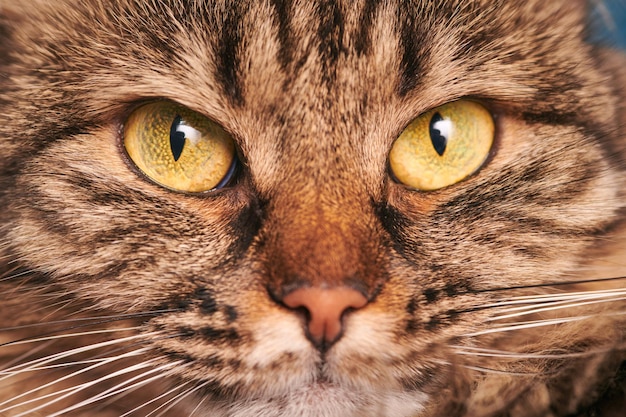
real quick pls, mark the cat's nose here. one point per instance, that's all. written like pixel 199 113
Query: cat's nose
pixel 326 308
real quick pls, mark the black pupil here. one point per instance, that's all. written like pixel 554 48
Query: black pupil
pixel 437 138
pixel 177 138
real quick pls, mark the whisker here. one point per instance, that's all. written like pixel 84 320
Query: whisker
pixel 55 307
pixel 72 390
pixel 165 394
pixel 500 372
pixel 41 397
pixel 537 323
pixel 97 320
pixel 197 406
pixel 529 302
pixel 109 352
pixel 489 370
pixel 25 355
pixel 121 387
pixel 526 299
pixel 546 284
pixel 172 402
pixel 16 275
pixel 56 366
pixel 130 390
pixel 553 307
pixel 67 353
pixel 492 353
pixel 68 335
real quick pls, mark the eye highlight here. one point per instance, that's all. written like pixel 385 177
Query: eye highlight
pixel 178 148
pixel 443 146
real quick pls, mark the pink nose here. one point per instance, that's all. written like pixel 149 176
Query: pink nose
pixel 326 307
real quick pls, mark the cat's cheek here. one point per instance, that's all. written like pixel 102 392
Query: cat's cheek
pixel 95 154
pixel 134 232
pixel 536 168
pixel 255 356
pixel 560 162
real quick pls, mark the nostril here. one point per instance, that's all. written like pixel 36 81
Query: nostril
pixel 324 309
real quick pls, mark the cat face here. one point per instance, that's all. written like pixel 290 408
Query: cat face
pixel 311 277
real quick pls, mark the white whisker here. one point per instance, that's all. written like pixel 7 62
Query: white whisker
pixel 500 372
pixel 163 395
pixel 68 335
pixel 77 388
pixel 123 386
pixel 492 353
pixel 56 366
pixel 13 276
pixel 27 354
pixel 172 402
pixel 537 323
pixel 67 353
pixel 95 320
pixel 553 306
pixel 543 298
pixel 197 407
pixel 104 361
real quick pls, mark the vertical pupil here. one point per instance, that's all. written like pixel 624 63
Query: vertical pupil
pixel 177 138
pixel 437 137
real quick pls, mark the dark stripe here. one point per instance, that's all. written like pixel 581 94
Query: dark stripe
pixel 209 333
pixel 208 304
pixel 592 131
pixel 476 37
pixel 412 326
pixel 224 335
pixel 431 295
pixel 244 227
pixel 551 117
pixel 443 319
pixel 363 39
pixel 228 65
pixel 411 306
pixel 231 313
pixel 331 32
pixel 517 184
pixel 395 223
pixel 216 389
pixel 286 44
pixel 177 302
pixel 414 45
pixel 6 59
pixel 211 361
pixel 48 134
pixel 177 356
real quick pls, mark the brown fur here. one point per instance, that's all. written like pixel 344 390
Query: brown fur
pixel 314 94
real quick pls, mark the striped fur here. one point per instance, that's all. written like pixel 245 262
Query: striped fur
pixel 503 295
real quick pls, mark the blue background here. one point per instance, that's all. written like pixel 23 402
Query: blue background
pixel 613 31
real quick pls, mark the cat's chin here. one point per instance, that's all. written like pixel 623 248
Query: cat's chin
pixel 324 399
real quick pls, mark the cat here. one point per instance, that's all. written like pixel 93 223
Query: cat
pixel 310 208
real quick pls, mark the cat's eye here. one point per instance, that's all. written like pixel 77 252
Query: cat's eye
pixel 443 146
pixel 179 148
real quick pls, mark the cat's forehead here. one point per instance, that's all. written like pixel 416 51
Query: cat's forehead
pixel 341 77
pixel 238 52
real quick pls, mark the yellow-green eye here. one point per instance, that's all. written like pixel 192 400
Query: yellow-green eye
pixel 179 148
pixel 443 146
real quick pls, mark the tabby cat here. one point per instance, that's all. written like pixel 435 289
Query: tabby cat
pixel 266 208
